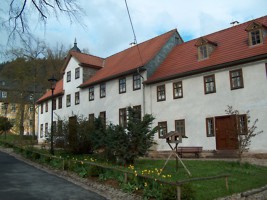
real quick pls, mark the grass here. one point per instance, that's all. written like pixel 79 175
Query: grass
pixel 243 177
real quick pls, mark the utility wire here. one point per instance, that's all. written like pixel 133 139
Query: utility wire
pixel 135 40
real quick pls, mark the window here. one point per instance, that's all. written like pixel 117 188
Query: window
pixel 180 126
pixel 46 129
pixel 77 98
pixel 243 124
pixel 4 94
pixel 122 85
pixel 102 90
pixel 91 118
pixel 54 104
pixel 161 93
pixel 162 129
pixel 59 102
pixel 202 52
pixel 31 108
pixel 123 117
pixel 255 37
pixel 177 90
pixel 42 108
pixel 68 101
pixel 102 115
pixel 137 112
pixel 236 79
pixel 77 72
pixel 136 81
pixel 68 76
pixel 91 94
pixel 13 107
pixel 210 127
pixel 41 130
pixel 46 106
pixel 209 84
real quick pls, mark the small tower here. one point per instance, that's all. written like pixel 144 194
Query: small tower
pixel 75 47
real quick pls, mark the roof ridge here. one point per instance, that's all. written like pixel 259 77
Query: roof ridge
pixel 222 30
pixel 142 42
pixel 89 55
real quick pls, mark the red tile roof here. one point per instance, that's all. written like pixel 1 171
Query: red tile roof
pixel 232 46
pixel 84 59
pixel 57 92
pixel 129 59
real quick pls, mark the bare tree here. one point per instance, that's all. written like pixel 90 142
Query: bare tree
pixel 244 128
pixel 18 21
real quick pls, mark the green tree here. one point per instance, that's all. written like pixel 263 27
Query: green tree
pixel 130 142
pixel 5 124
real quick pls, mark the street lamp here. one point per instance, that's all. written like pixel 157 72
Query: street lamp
pixel 53 82
pixel 6 107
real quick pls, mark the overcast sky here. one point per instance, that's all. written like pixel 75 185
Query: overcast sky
pixel 107 27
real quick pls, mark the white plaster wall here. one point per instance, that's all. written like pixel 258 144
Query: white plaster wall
pixel 195 106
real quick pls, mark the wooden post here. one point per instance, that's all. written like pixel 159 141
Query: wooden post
pixel 178 189
pixel 226 183
pixel 63 167
pixel 125 177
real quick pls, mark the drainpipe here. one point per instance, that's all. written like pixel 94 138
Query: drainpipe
pixel 143 95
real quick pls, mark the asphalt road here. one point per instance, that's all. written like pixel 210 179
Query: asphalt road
pixel 20 181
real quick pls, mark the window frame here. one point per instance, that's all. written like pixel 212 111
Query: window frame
pixel 77 72
pixel 161 93
pixel 162 128
pixel 176 126
pixel 42 108
pixel 123 117
pixel 203 52
pixel 69 76
pixel 102 88
pixel 138 114
pixel 46 106
pixel 59 102
pixel 122 85
pixel 41 131
pixel 242 125
pixel 46 130
pixel 253 37
pixel 68 100
pixel 77 98
pixel 206 83
pixel 210 131
pixel 91 93
pixel 136 81
pixel 236 77
pixel 177 88
pixel 102 115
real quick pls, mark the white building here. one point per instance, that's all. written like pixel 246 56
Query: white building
pixel 187 86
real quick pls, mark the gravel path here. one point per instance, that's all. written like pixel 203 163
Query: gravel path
pixel 116 194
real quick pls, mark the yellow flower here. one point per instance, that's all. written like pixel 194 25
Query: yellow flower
pixel 145 184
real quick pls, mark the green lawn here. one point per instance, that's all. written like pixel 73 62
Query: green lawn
pixel 242 177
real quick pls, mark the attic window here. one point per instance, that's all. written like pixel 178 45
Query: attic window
pixel 256 33
pixel 204 48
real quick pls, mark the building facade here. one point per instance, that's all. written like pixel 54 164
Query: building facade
pixel 186 86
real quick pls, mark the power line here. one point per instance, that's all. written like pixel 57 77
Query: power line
pixel 135 40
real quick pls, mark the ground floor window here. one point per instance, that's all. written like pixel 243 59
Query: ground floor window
pixel 210 127
pixel 180 126
pixel 162 129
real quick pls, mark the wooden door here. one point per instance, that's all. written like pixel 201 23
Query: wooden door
pixel 226 133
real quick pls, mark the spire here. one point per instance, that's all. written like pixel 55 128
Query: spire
pixel 75 47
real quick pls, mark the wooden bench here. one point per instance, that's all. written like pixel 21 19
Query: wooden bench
pixel 192 150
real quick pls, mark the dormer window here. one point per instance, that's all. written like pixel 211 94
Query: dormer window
pixel 256 33
pixel 204 48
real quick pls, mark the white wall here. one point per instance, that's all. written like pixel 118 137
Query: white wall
pixel 196 106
